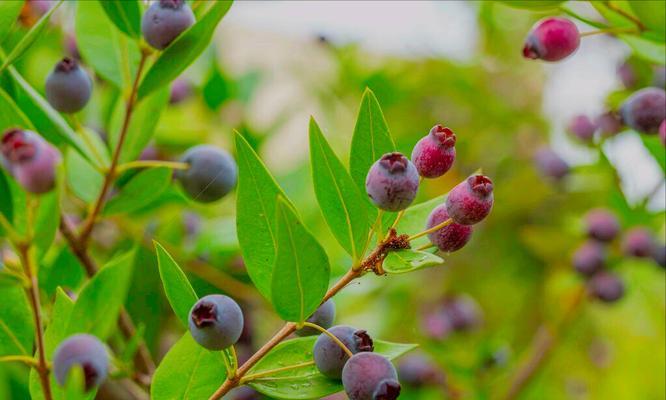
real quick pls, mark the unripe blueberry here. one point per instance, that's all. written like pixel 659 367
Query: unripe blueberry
pixel 323 317
pixel 68 87
pixel 392 182
pixel 83 351
pixel 434 154
pixel 417 371
pixel 583 128
pixel 164 21
pixel 662 132
pixel 330 358
pixel 181 89
pixel 212 173
pixel 450 238
pixel 551 164
pixel 551 39
pixel 659 255
pixel 589 258
pixel 370 376
pixel 216 322
pixel 638 242
pixel 471 200
pixel 644 110
pixel 602 225
pixel 609 123
pixel 30 159
pixel 606 287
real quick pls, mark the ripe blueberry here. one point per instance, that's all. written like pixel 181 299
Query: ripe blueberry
pixel 417 371
pixel 551 39
pixel 471 200
pixel 370 376
pixel 606 287
pixel 644 110
pixel 638 242
pixel 30 159
pixel 450 238
pixel 583 128
pixel 392 182
pixel 181 89
pixel 330 358
pixel 164 21
pixel 212 173
pixel 609 123
pixel 589 258
pixel 602 225
pixel 68 86
pixel 84 351
pixel 434 154
pixel 659 255
pixel 551 164
pixel 323 317
pixel 216 322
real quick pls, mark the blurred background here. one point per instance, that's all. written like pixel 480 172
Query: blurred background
pixel 273 64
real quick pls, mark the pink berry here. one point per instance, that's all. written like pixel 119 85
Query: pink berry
pixel 434 154
pixel 609 123
pixel 450 238
pixel 551 39
pixel 471 200
pixel 644 110
pixel 30 159
pixel 582 127
pixel 550 163
pixel 589 258
pixel 606 287
pixel 602 225
pixel 638 242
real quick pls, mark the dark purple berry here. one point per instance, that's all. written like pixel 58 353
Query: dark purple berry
pixel 551 164
pixel 602 225
pixel 30 159
pixel 551 39
pixel 330 358
pixel 417 371
pixel 164 21
pixel 68 87
pixel 323 317
pixel 589 258
pixel 638 242
pixel 370 376
pixel 606 287
pixel 243 393
pixel 434 154
pixel 462 312
pixel 212 173
pixel 644 110
pixel 659 255
pixel 471 200
pixel 450 238
pixel 609 123
pixel 627 75
pixel 83 351
pixel 216 322
pixel 181 89
pixel 583 128
pixel 392 182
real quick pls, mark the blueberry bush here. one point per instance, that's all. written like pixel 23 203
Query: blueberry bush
pixel 155 243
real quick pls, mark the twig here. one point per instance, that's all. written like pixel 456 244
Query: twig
pixel 431 230
pixel 29 361
pixel 151 163
pixel 269 372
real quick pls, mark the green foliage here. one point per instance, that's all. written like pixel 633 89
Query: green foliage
pixel 16 325
pixel 403 261
pixel 125 14
pixel 9 11
pixel 177 288
pixel 140 191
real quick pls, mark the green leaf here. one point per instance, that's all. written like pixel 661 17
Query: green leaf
pixel 6 204
pixel 85 181
pixel 338 197
pixel 98 305
pixel 9 13
pixel 184 50
pixel 141 190
pixel 656 148
pixel 16 325
pixel 255 215
pixel 305 382
pixel 651 13
pixel 113 56
pixel 11 115
pixel 537 5
pixel 301 272
pixel 125 14
pixel 188 371
pixel 47 219
pixel 65 270
pixel 646 49
pixel 178 290
pixel 403 261
pixel 75 385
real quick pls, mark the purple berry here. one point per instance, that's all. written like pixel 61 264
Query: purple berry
pixel 30 159
pixel 86 352
pixel 392 182
pixel 450 238
pixel 626 74
pixel 606 287
pixel 330 358
pixel 471 200
pixel 68 87
pixel 164 21
pixel 417 371
pixel 212 173
pixel 551 164
pixel 638 242
pixel 644 110
pixel 602 225
pixel 323 317
pixel 582 127
pixel 181 89
pixel 243 393
pixel 434 154
pixel 609 123
pixel 437 325
pixel 370 376
pixel 659 255
pixel 589 258
pixel 462 312
pixel 551 39
pixel 216 322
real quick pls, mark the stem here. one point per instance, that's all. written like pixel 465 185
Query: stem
pixel 425 246
pixel 610 30
pixel 151 163
pixel 431 230
pixel 29 361
pixel 625 14
pixel 8 228
pixel 252 377
pixel 330 335
pixel 378 224
pixel 79 128
pixel 397 219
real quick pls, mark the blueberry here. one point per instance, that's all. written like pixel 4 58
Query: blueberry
pixel 471 200
pixel 644 110
pixel 450 238
pixel 609 123
pixel 583 128
pixel 84 351
pixel 434 154
pixel 638 242
pixel 323 317
pixel 392 182
pixel 212 173
pixel 417 371
pixel 181 89
pixel 68 86
pixel 216 322
pixel 589 258
pixel 551 39
pixel 330 358
pixel 30 159
pixel 370 376
pixel 551 164
pixel 243 393
pixel 164 21
pixel 602 225
pixel 659 255
pixel 606 287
